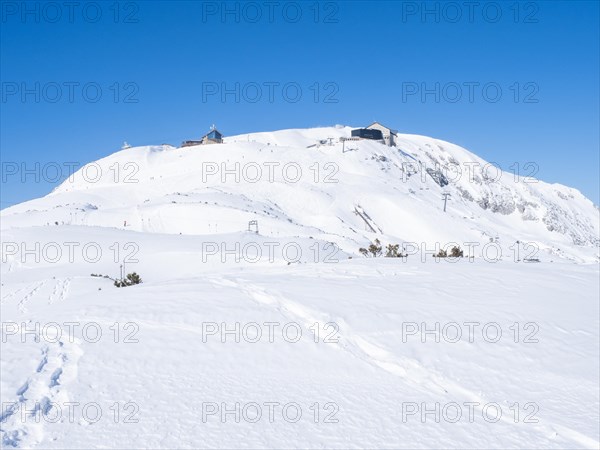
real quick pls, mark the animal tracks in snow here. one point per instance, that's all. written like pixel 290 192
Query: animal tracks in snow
pixel 57 291
pixel 60 291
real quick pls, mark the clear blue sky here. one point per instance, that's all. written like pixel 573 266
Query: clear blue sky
pixel 166 55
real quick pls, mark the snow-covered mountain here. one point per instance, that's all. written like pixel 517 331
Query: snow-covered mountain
pixel 290 337
pixel 306 183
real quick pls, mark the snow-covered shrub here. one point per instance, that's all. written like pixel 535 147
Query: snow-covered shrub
pixel 456 252
pixel 376 249
pixel 129 280
pixel 373 251
pixel 393 251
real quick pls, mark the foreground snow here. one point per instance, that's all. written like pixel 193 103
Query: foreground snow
pixel 162 364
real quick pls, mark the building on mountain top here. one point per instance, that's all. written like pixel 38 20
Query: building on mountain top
pixel 365 133
pixel 214 136
pixel 389 135
pixel 378 132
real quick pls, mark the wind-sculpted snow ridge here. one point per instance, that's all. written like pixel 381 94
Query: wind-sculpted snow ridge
pixel 308 183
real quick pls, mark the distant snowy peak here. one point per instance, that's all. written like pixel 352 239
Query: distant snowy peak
pixel 321 183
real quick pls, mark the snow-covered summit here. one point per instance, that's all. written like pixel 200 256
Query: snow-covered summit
pixel 316 183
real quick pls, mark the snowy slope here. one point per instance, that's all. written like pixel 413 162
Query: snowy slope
pixel 314 192
pixel 197 357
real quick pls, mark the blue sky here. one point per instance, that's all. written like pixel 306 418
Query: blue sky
pixel 146 73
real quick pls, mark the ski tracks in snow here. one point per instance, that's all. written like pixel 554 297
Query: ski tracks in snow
pixel 408 369
pixel 349 340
